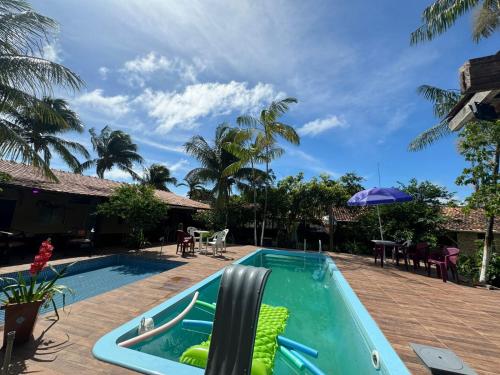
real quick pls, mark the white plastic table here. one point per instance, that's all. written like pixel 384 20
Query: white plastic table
pixel 201 233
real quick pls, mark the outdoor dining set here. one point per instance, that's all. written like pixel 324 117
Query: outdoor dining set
pixel 444 259
pixel 193 238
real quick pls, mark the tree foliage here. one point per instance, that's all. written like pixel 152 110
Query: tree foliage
pixel 418 220
pixel 138 206
pixel 114 148
pixel 479 144
pixel 438 17
pixel 442 103
pixel 40 124
pixel 25 76
pixel 215 160
pixel 158 176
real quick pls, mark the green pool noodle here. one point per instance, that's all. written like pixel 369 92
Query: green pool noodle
pixel 207 305
pixel 272 322
pixel 290 357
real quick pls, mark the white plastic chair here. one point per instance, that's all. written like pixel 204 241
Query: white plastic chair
pixel 216 242
pixel 224 235
pixel 192 232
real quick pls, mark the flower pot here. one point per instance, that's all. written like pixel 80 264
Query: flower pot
pixel 20 317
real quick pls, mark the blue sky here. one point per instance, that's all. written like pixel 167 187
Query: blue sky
pixel 166 70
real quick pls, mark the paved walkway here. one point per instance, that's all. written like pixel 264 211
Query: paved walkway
pixel 408 307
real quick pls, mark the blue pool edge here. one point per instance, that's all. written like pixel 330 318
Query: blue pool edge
pixel 107 350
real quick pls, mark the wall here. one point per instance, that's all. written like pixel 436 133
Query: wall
pixel 466 241
pixel 48 212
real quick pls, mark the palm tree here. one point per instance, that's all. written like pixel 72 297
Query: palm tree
pixel 40 130
pixel 24 75
pixel 249 151
pixel 443 101
pixel 114 148
pixel 271 129
pixel 158 176
pixel 442 14
pixel 214 160
pixel 194 186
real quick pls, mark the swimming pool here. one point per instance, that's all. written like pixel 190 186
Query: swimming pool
pixel 91 277
pixel 325 314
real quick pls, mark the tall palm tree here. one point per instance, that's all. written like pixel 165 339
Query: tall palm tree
pixel 248 146
pixel 194 186
pixel 214 160
pixel 443 101
pixel 24 75
pixel 40 131
pixel 114 148
pixel 442 14
pixel 158 176
pixel 271 129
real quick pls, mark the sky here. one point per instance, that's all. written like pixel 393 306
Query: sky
pixel 164 71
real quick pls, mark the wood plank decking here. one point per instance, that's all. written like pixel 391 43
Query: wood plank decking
pixel 408 308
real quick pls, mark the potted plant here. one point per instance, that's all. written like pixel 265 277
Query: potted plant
pixel 24 296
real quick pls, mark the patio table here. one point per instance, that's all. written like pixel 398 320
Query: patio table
pixel 385 243
pixel 201 233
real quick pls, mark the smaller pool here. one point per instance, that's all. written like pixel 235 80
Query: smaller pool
pixel 89 278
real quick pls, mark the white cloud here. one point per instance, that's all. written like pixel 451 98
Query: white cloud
pixel 161 146
pixel 173 108
pixel 112 106
pixel 51 52
pixel 103 72
pixel 118 175
pixel 178 166
pixel 319 126
pixel 141 69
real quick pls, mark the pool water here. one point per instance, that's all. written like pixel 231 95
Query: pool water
pixel 320 317
pixel 92 277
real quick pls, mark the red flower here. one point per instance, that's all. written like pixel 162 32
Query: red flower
pixel 41 259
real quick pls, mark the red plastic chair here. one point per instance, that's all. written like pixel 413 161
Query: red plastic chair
pixel 184 242
pixel 378 251
pixel 420 253
pixel 447 260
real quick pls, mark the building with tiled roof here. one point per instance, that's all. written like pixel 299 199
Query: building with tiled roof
pixel 34 206
pixel 459 220
pixel 29 177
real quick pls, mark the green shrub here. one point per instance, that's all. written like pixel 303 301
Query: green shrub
pixel 138 206
pixel 469 266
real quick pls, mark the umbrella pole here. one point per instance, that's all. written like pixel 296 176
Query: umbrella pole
pixel 381 232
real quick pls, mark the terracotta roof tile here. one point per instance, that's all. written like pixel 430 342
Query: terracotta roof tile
pixel 30 177
pixel 347 214
pixel 459 221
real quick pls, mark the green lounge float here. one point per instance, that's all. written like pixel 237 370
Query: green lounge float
pixel 272 322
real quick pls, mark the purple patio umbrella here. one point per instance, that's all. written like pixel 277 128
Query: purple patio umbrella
pixel 377 196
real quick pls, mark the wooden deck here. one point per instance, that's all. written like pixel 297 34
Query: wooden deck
pixel 411 307
pixel 408 308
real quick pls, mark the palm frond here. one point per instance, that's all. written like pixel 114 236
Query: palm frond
pixel 486 20
pixel 25 31
pixel 14 147
pixel 35 74
pixel 439 17
pixel 430 136
pixel 443 100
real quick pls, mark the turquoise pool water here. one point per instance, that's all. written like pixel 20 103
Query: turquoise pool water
pixel 88 278
pixel 324 314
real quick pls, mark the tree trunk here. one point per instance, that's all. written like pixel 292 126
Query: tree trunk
pixel 488 241
pixel 264 213
pixel 254 207
pixel 488 238
pixel 330 231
